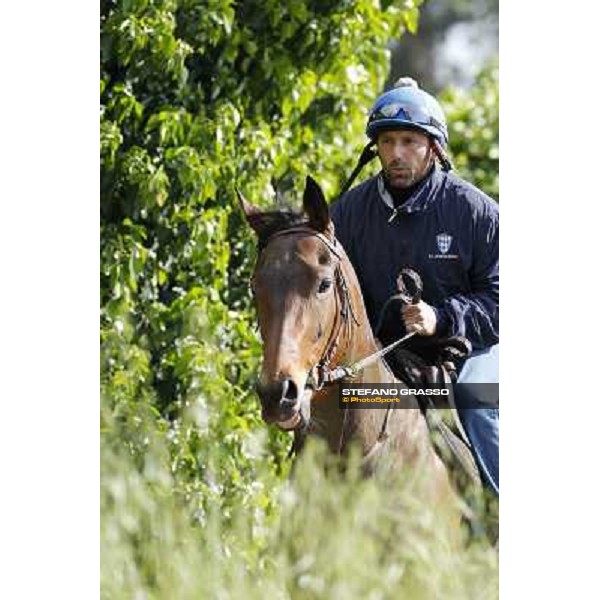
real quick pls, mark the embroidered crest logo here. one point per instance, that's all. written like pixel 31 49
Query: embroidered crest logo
pixel 444 240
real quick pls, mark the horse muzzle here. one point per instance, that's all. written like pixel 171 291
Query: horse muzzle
pixel 283 404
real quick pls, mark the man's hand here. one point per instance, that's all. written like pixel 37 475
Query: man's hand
pixel 419 318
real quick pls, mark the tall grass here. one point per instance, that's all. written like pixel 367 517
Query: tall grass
pixel 319 534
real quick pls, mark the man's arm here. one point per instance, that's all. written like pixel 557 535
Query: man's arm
pixel 476 314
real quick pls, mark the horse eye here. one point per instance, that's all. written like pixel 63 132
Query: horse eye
pixel 324 285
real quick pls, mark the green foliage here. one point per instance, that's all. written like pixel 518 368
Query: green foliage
pixel 198 97
pixel 330 537
pixel 473 128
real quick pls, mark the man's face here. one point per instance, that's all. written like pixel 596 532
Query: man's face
pixel 405 156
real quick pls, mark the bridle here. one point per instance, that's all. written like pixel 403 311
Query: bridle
pixel 321 374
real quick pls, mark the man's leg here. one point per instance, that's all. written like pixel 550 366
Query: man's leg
pixel 481 424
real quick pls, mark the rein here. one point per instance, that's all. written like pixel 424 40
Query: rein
pixel 410 288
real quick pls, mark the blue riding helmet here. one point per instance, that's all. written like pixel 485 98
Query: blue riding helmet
pixel 408 107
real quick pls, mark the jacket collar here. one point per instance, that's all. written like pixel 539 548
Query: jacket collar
pixel 421 198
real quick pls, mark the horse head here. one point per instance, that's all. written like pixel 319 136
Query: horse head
pixel 297 290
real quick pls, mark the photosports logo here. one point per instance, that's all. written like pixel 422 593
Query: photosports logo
pixel 443 241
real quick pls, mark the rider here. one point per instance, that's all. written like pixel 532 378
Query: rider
pixel 415 213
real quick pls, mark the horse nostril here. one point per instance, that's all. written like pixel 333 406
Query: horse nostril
pixel 285 391
pixel 290 390
pixel 279 399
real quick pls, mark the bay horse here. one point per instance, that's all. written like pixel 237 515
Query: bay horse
pixel 312 319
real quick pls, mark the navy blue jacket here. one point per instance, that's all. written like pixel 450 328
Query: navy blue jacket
pixel 447 231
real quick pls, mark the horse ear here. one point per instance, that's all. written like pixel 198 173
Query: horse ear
pixel 315 206
pixel 251 212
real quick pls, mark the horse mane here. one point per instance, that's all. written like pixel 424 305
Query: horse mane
pixel 267 224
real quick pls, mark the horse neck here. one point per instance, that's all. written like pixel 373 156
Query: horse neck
pixel 360 340
pixel 338 426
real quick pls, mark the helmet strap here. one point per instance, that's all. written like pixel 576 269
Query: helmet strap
pixel 441 155
pixel 367 155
